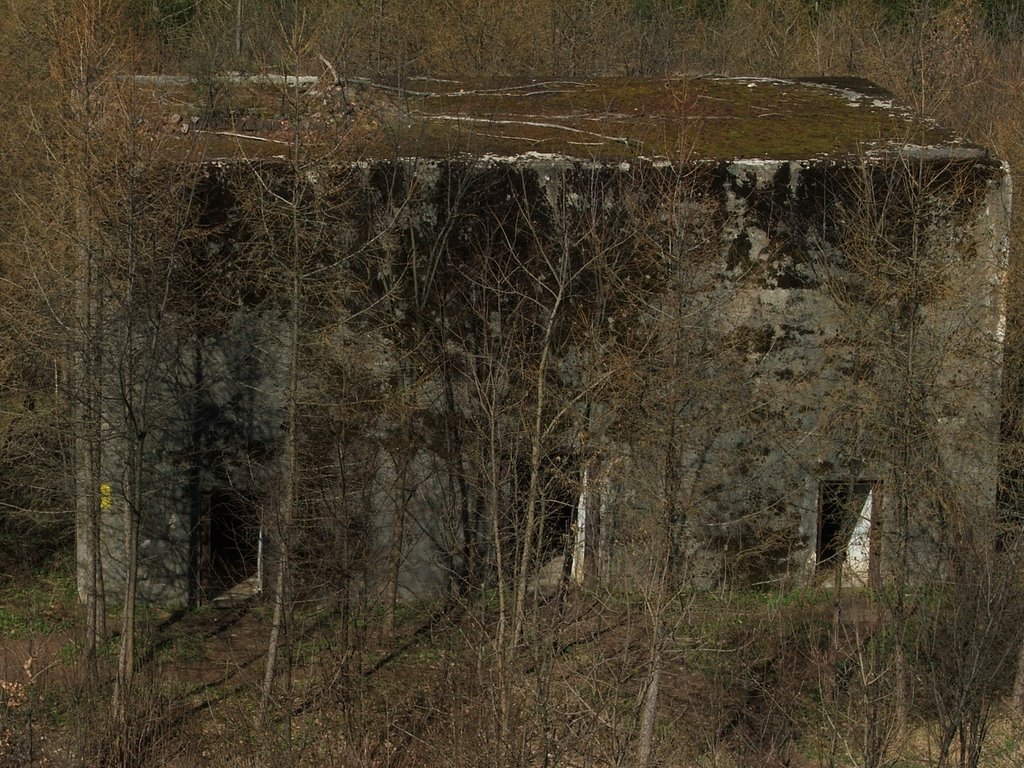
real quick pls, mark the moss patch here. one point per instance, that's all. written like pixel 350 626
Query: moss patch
pixel 601 119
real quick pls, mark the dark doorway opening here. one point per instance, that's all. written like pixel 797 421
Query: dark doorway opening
pixel 229 542
pixel 840 504
pixel 559 499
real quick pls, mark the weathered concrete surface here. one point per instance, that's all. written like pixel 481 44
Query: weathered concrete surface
pixel 729 334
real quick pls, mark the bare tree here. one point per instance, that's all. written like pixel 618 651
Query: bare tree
pixel 86 66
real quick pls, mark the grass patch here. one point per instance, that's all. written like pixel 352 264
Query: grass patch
pixel 42 603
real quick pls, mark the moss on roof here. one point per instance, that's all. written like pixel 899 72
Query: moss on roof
pixel 601 119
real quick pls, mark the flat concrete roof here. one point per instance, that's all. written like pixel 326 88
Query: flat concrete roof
pixel 606 119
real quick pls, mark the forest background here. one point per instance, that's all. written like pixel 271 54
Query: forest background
pixel 753 680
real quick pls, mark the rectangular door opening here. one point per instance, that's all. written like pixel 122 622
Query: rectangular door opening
pixel 230 546
pixel 847 529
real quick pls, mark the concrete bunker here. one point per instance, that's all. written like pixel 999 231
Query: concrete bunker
pixel 592 301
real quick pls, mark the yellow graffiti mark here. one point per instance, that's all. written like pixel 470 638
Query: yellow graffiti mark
pixel 105 496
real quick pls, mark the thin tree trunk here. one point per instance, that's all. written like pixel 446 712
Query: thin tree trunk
pixel 523 571
pixel 126 655
pixel 395 554
pixel 238 29
pixel 905 464
pixel 86 392
pixel 402 495
pixel 278 628
pixel 499 564
pixel 78 63
pixel 286 513
pixel 646 747
pixel 277 631
pixel 536 447
pixel 458 487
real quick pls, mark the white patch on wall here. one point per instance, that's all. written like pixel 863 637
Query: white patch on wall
pixel 858 551
pixel 579 550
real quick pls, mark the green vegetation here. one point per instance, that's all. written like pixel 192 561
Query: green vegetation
pixel 41 602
